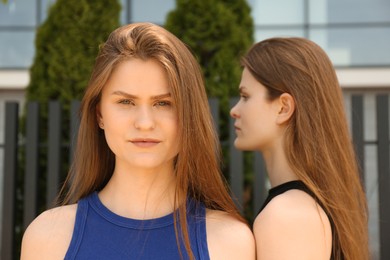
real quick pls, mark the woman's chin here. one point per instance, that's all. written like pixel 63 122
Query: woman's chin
pixel 239 145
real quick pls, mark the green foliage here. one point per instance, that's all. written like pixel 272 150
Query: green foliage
pixel 218 32
pixel 66 46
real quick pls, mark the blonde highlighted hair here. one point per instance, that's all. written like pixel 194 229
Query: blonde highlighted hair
pixel 317 141
pixel 198 162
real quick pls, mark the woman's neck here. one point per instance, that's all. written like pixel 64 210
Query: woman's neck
pixel 278 168
pixel 140 193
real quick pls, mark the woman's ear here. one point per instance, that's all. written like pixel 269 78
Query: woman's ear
pixel 286 108
pixel 99 117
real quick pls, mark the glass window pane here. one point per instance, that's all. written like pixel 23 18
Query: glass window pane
pixel 276 12
pixel 123 19
pixel 45 6
pixel 355 46
pixel 17 49
pixel 141 10
pixel 18 13
pixel 261 34
pixel 349 11
pixel 318 12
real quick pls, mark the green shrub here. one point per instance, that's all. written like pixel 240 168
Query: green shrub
pixel 66 45
pixel 218 32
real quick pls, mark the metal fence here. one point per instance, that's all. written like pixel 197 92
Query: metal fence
pixel 258 185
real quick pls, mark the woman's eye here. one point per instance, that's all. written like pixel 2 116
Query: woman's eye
pixel 244 97
pixel 125 102
pixel 163 103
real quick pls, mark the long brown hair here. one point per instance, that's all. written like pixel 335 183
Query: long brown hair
pixel 317 141
pixel 197 165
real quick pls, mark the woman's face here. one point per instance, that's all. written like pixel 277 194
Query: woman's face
pixel 255 116
pixel 138 115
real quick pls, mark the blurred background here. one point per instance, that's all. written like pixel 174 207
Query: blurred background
pixel 354 33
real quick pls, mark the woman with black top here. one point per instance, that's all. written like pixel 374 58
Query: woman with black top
pixel 291 110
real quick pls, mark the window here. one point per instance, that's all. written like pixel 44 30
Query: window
pixel 353 32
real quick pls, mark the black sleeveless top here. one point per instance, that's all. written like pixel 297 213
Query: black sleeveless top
pixel 291 185
pixel 294 185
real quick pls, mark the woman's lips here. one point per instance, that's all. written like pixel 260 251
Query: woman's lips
pixel 145 142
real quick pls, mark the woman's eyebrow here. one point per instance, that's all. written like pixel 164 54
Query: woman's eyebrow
pixel 124 94
pixel 162 96
pixel 121 93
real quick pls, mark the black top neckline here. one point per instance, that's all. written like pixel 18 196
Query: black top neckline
pixel 294 185
pixel 290 185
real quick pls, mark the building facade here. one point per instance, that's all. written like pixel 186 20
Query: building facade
pixel 354 33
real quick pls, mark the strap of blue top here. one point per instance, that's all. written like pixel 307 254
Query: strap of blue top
pixel 201 232
pixel 78 231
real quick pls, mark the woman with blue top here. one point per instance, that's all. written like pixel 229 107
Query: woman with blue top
pixel 291 110
pixel 145 182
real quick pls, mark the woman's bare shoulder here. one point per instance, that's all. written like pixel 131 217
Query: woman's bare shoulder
pixel 294 222
pixel 49 235
pixel 227 237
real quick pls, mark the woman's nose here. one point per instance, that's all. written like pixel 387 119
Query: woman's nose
pixel 144 119
pixel 234 112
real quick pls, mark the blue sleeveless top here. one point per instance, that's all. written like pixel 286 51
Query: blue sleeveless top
pixel 101 234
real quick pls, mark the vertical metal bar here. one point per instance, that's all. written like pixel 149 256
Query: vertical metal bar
pixel 54 152
pixel 306 18
pixel 236 163
pixel 38 13
pixel 10 171
pixel 129 7
pixel 382 110
pixel 31 171
pixel 358 131
pixel 260 190
pixel 214 107
pixel 74 127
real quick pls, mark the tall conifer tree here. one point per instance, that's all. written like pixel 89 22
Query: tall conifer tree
pixel 66 46
pixel 218 32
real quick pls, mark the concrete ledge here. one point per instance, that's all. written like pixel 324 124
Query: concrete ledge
pixel 348 78
pixel 14 79
pixel 364 77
